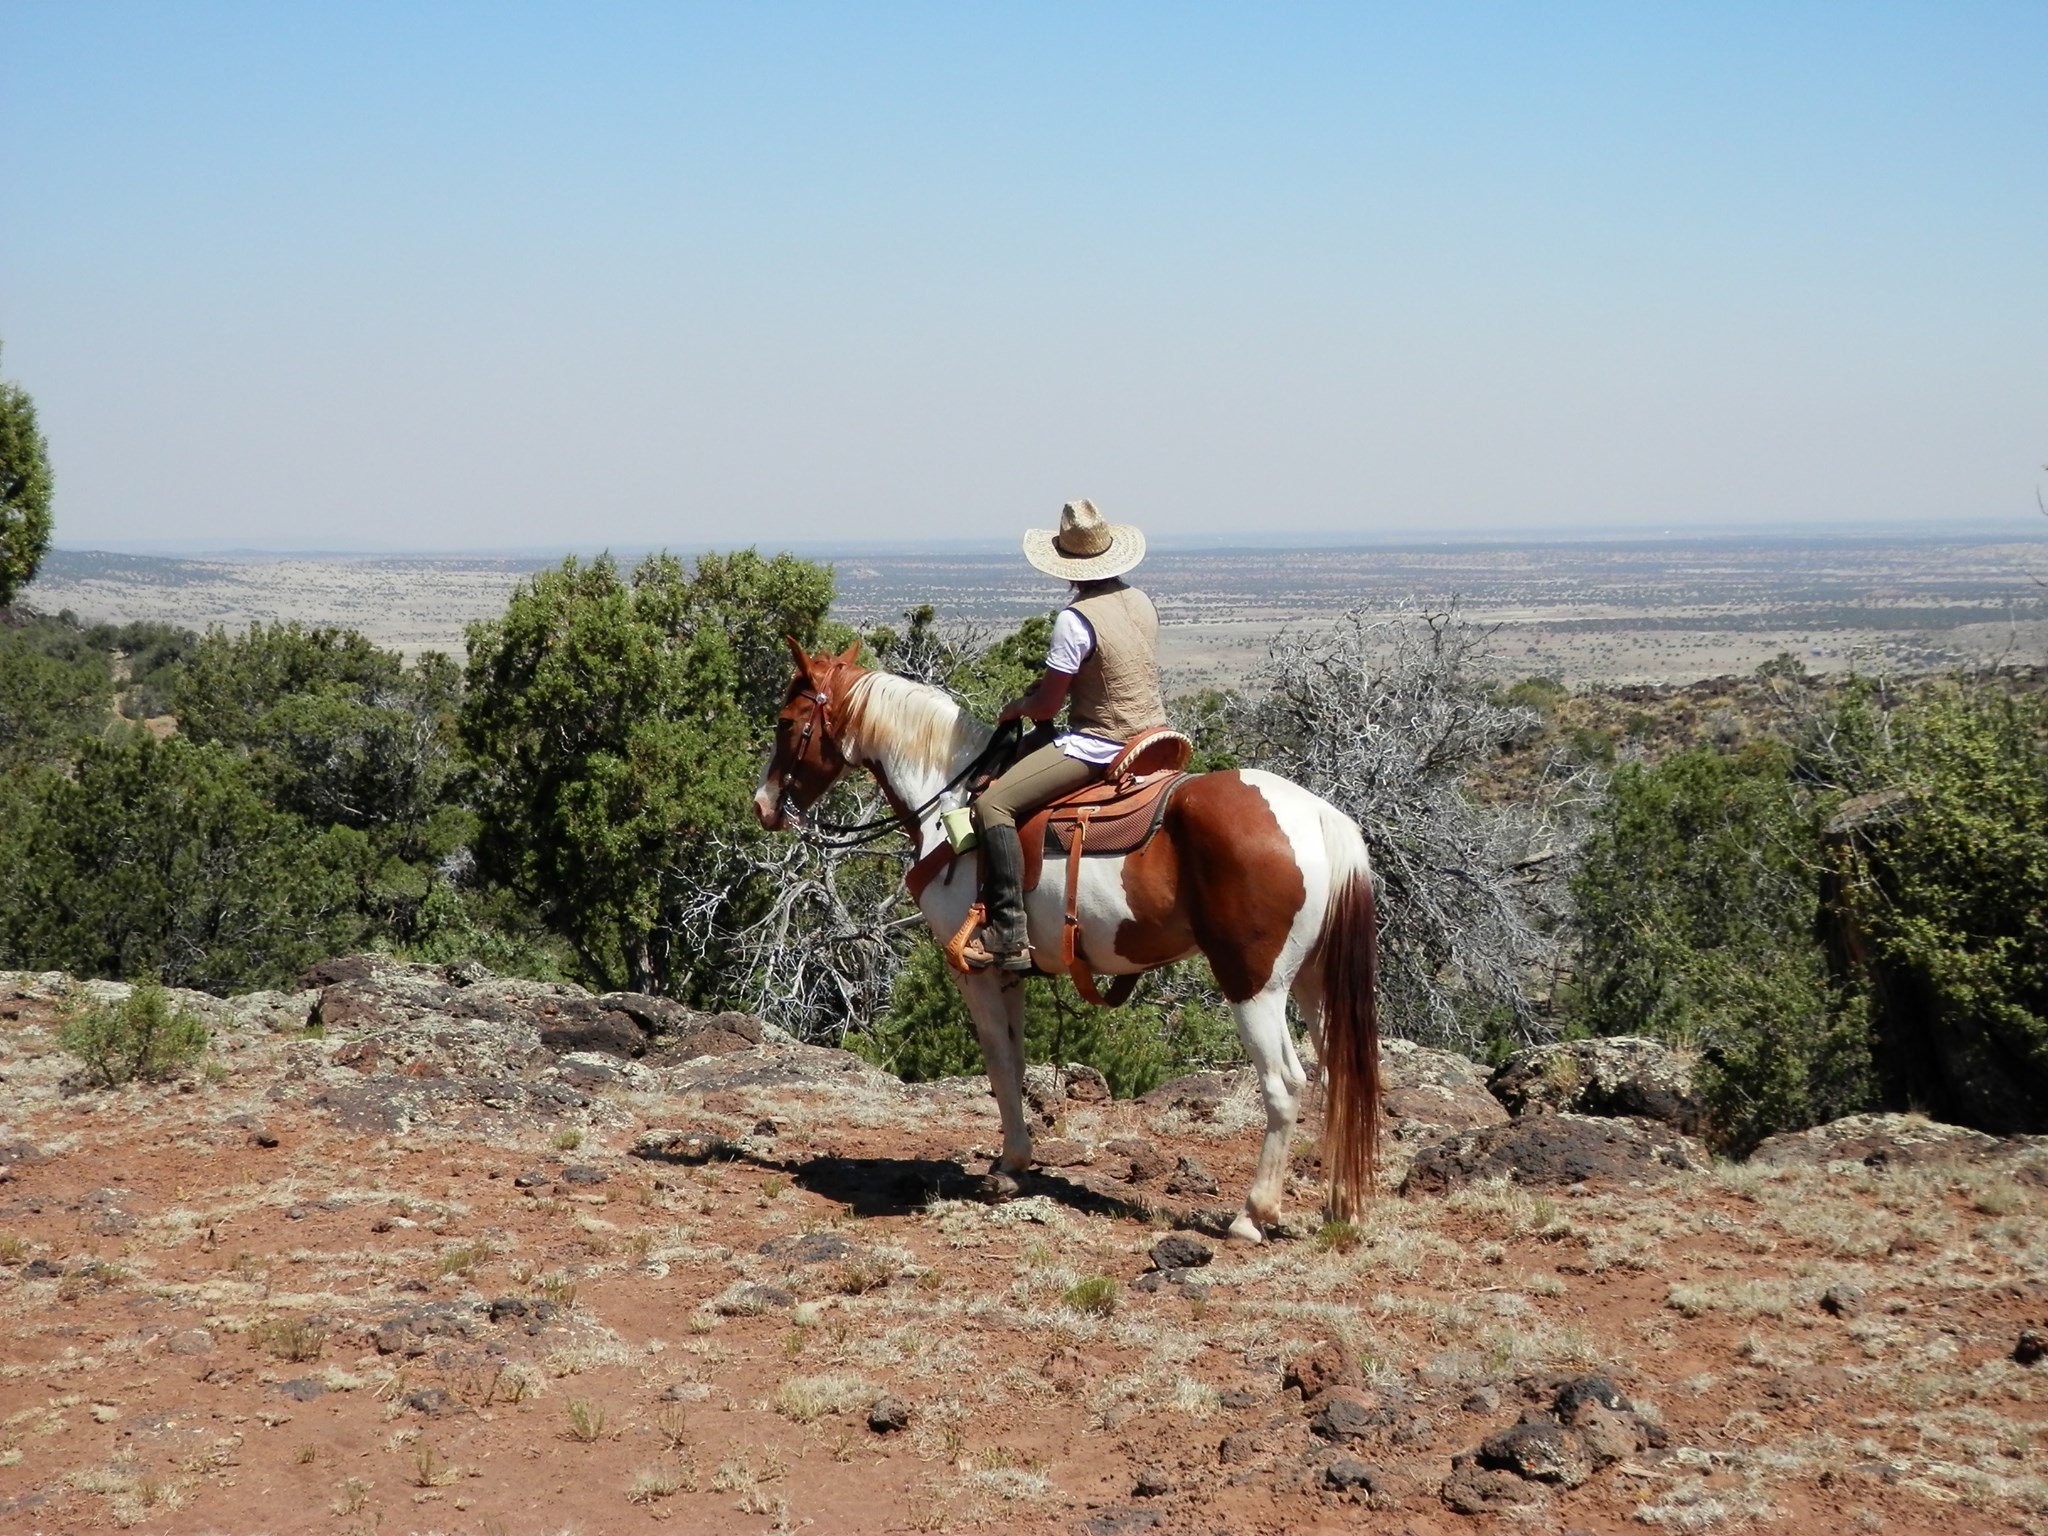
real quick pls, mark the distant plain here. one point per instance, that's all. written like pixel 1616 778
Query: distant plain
pixel 1670 610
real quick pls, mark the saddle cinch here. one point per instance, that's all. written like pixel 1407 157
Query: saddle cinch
pixel 1116 814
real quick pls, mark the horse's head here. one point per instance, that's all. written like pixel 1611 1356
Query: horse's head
pixel 807 760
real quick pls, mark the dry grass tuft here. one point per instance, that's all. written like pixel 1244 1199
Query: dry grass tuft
pixel 296 1339
pixel 806 1399
pixel 1095 1296
pixel 588 1421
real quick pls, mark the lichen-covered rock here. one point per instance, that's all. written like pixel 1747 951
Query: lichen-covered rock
pixel 1879 1141
pixel 1426 1094
pixel 1551 1150
pixel 1540 1451
pixel 1617 1075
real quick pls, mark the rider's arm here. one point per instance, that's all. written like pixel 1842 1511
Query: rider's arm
pixel 1072 640
pixel 1042 702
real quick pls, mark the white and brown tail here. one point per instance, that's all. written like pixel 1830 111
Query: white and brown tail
pixel 1347 954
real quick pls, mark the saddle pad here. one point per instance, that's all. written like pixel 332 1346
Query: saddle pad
pixel 1124 820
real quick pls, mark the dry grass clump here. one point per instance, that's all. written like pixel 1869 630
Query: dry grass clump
pixel 652 1484
pixel 806 1399
pixel 296 1339
pixel 870 1272
pixel 1998 1199
pixel 133 1494
pixel 1095 1296
pixel 464 1258
pixel 1741 1298
pixel 588 1421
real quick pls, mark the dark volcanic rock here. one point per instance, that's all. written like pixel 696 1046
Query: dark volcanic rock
pixel 1327 1365
pixel 1580 1390
pixel 1191 1178
pixel 1348 1475
pixel 1085 1083
pixel 1616 1075
pixel 1842 1300
pixel 1146 1161
pixel 434 1402
pixel 1151 1483
pixel 657 1017
pixel 1239 1448
pixel 1546 1150
pixel 1178 1250
pixel 1475 1490
pixel 614 1034
pixel 1353 1413
pixel 888 1414
pixel 1541 1451
pixel 2032 1347
pixel 808 1248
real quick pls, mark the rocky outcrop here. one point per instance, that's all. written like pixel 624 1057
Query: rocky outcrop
pixel 1902 1141
pixel 1615 1075
pixel 1553 1150
pixel 1427 1094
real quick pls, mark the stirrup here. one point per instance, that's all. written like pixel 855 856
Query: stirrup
pixel 978 955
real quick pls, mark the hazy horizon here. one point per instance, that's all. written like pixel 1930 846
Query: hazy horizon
pixel 2032 529
pixel 457 278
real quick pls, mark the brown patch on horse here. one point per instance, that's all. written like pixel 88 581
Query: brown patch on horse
pixel 1157 932
pixel 1240 884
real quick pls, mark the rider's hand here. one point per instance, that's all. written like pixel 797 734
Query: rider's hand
pixel 1011 711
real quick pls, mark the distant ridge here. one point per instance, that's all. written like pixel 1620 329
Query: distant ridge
pixel 2021 529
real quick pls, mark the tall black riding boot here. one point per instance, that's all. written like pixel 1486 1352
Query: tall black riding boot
pixel 1004 941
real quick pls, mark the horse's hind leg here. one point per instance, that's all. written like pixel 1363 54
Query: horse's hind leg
pixel 1262 1026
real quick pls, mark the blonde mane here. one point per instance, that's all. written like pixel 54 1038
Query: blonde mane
pixel 916 724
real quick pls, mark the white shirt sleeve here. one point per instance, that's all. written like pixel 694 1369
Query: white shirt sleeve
pixel 1072 641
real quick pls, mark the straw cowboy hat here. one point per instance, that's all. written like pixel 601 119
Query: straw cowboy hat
pixel 1086 547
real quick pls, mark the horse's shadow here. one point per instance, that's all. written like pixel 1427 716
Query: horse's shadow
pixel 902 1186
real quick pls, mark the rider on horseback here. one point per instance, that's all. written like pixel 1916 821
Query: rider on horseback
pixel 1103 664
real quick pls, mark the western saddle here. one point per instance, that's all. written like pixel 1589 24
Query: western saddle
pixel 1116 814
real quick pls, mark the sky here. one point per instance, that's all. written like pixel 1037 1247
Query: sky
pixel 474 276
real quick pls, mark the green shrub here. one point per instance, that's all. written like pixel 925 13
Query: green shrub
pixel 1698 900
pixel 140 1037
pixel 1174 1025
pixel 1944 875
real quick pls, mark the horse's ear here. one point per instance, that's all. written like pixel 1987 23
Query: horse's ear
pixel 851 655
pixel 803 662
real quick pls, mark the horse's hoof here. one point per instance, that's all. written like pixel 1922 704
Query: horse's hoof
pixel 996 1186
pixel 1245 1230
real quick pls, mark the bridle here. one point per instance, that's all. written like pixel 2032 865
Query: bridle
pixel 856 834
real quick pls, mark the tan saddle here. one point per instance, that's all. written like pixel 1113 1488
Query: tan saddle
pixel 1116 814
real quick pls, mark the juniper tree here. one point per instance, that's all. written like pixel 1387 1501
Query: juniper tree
pixel 24 491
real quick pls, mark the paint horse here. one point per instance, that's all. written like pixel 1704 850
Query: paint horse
pixel 1267 881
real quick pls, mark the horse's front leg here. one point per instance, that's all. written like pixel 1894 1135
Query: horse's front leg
pixel 996 1002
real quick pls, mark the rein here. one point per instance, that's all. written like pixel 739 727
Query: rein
pixel 860 833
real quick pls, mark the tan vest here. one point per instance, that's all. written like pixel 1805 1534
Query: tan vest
pixel 1116 694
